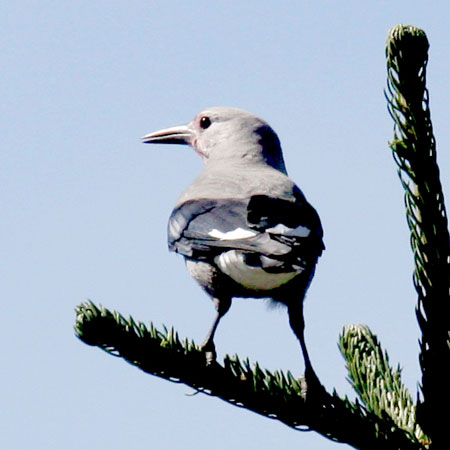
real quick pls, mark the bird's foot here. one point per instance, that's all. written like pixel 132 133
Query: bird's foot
pixel 312 388
pixel 209 350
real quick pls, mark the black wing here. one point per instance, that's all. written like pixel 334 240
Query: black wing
pixel 273 233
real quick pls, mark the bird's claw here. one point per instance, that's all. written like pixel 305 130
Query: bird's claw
pixel 311 386
pixel 209 350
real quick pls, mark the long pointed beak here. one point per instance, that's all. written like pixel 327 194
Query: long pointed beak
pixel 174 135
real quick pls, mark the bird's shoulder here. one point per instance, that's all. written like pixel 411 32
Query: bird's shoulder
pixel 238 180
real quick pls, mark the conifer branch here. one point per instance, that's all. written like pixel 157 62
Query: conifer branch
pixel 414 150
pixel 275 395
pixel 379 387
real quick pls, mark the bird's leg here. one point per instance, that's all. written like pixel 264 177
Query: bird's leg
pixel 297 323
pixel 222 306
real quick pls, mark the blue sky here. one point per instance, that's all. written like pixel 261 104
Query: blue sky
pixel 85 205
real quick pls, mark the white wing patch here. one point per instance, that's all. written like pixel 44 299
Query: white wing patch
pixel 238 233
pixel 300 231
pixel 232 263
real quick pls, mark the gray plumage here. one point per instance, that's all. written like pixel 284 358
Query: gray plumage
pixel 244 228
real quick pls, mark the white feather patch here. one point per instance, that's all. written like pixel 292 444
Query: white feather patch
pixel 300 231
pixel 232 263
pixel 238 233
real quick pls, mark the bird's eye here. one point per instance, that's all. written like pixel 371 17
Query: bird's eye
pixel 205 122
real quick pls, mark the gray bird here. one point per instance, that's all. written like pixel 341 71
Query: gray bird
pixel 244 228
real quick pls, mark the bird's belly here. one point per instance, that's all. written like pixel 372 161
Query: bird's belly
pixel 256 278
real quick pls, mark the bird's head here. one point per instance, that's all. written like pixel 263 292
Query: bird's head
pixel 226 134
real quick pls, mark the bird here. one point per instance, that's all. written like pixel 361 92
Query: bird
pixel 244 228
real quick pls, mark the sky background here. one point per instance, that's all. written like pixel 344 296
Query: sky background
pixel 84 205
